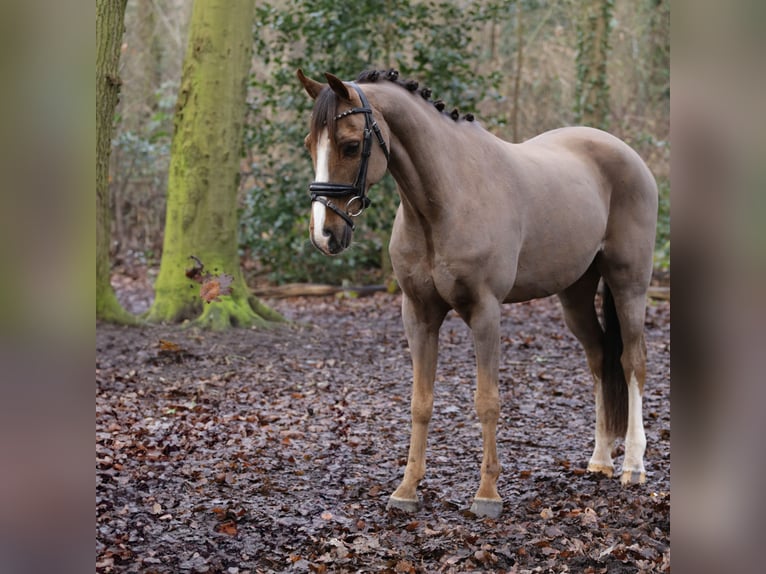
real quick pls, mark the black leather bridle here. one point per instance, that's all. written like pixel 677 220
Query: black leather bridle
pixel 322 191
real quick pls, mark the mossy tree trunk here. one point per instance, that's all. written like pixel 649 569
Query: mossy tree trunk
pixel 592 87
pixel 201 215
pixel 110 17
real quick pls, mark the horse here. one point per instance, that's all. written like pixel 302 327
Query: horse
pixel 483 222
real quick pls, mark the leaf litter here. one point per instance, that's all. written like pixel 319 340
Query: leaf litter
pixel 275 451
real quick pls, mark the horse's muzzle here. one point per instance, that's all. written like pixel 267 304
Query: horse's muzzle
pixel 334 241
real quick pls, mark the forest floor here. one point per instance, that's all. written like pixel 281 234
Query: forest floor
pixel 276 451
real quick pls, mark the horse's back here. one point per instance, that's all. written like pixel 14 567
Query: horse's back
pixel 585 192
pixel 619 164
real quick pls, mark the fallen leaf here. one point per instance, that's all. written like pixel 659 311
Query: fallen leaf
pixel 213 287
pixel 169 346
pixel 228 527
pixel 195 273
pixel 589 517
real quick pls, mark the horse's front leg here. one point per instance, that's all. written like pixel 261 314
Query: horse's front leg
pixel 421 325
pixel 485 326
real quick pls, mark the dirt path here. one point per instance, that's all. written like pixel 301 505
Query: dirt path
pixel 276 451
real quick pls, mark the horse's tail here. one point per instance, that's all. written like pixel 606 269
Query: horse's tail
pixel 613 384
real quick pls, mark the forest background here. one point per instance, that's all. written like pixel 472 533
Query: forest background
pixel 516 65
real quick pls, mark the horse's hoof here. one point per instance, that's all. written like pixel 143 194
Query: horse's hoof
pixel 487 507
pixel 633 477
pixel 403 504
pixel 607 471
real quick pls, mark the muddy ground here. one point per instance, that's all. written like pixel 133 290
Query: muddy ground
pixel 276 451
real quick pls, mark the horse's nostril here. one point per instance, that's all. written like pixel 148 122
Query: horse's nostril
pixel 334 246
pixel 326 232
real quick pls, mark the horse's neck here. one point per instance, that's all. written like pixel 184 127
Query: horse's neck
pixel 421 159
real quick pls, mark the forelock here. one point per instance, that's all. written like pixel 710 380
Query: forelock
pixel 323 115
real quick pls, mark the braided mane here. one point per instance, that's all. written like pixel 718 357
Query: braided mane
pixel 325 107
pixel 392 75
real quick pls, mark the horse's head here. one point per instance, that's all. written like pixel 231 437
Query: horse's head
pixel 343 127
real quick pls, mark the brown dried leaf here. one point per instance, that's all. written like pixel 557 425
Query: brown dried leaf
pixel 195 273
pixel 214 287
pixel 412 526
pixel 169 346
pixel 228 527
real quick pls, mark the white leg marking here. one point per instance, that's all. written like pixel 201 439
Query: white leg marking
pixel 322 175
pixel 635 438
pixel 601 461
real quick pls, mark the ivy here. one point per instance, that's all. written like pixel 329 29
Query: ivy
pixel 592 86
pixel 432 42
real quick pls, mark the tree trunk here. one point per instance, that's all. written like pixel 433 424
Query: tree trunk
pixel 517 75
pixel 592 87
pixel 110 16
pixel 201 215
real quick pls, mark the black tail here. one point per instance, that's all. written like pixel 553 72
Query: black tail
pixel 615 388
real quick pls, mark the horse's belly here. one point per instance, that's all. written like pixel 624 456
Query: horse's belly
pixel 543 276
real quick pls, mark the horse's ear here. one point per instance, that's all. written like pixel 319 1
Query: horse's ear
pixel 312 87
pixel 338 87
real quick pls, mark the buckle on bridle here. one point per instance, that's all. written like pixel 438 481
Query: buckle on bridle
pixel 364 203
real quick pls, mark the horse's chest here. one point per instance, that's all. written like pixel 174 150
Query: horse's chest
pixel 433 277
pixel 437 263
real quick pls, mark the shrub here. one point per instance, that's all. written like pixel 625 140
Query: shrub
pixel 430 42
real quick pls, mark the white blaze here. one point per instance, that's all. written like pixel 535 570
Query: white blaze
pixel 322 175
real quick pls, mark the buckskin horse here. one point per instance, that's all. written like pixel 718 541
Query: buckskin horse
pixel 484 222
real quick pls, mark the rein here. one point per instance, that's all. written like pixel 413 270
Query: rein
pixel 321 191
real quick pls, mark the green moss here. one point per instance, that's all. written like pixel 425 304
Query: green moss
pixel 108 309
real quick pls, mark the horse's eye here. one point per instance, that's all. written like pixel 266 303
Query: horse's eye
pixel 351 149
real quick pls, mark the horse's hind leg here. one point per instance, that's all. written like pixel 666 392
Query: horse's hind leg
pixel 625 263
pixel 421 325
pixel 631 309
pixel 581 318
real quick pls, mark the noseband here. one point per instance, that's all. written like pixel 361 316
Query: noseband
pixel 321 191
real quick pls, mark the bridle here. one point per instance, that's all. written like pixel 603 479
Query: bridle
pixel 321 191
